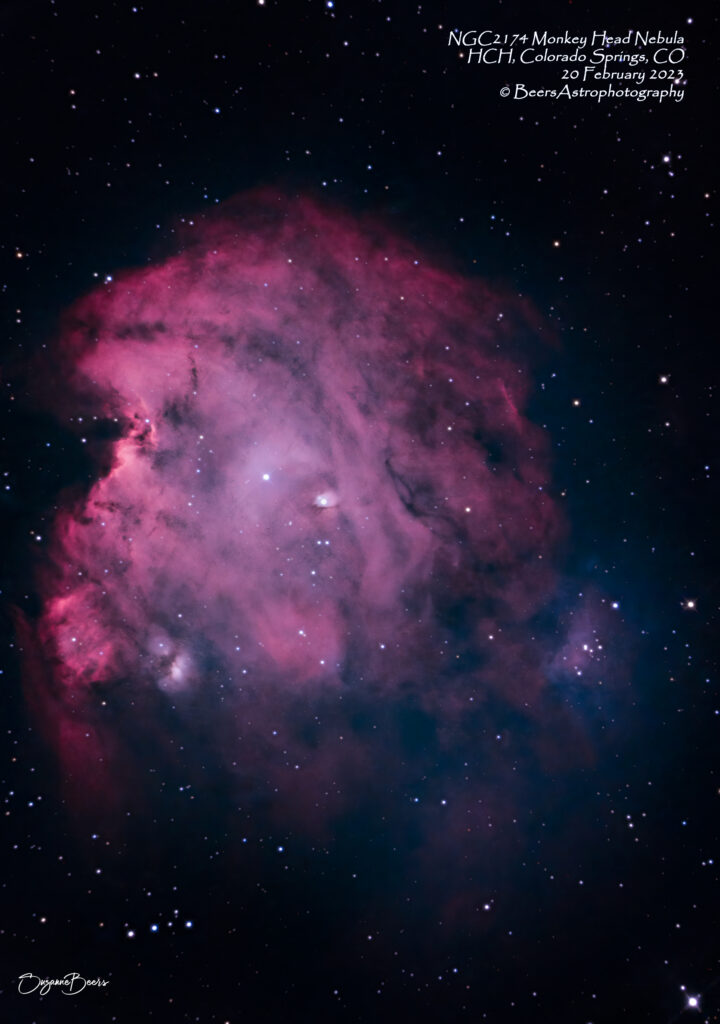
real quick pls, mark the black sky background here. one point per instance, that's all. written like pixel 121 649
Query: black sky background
pixel 98 166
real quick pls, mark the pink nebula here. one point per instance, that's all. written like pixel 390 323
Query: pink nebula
pixel 318 492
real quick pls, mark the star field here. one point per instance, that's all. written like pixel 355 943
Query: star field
pixel 358 497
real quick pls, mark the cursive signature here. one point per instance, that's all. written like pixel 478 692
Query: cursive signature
pixel 70 985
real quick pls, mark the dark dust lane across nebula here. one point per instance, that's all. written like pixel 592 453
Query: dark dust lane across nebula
pixel 321 546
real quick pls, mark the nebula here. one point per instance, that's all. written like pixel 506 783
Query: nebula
pixel 320 546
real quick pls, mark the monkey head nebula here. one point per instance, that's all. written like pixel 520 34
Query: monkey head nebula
pixel 320 548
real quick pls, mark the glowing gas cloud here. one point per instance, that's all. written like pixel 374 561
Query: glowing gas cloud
pixel 319 509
